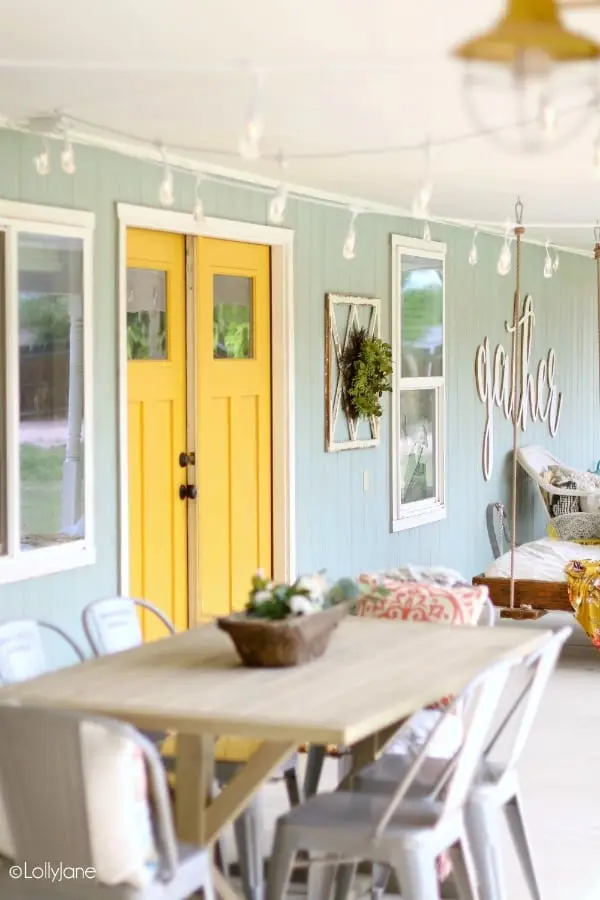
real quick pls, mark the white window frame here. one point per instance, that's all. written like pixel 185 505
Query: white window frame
pixel 421 512
pixel 17 218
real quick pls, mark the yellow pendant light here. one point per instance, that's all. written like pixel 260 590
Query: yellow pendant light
pixel 529 34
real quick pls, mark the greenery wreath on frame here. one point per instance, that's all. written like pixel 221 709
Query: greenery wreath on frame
pixel 366 365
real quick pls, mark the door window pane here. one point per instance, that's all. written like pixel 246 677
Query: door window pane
pixel 146 314
pixel 3 509
pixel 51 396
pixel 422 305
pixel 418 439
pixel 232 317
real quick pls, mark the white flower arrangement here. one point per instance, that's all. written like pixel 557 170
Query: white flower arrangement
pixel 309 594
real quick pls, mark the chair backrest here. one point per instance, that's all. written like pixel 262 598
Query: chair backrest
pixel 479 701
pixel 112 625
pixel 22 653
pixel 497 527
pixel 540 665
pixel 43 790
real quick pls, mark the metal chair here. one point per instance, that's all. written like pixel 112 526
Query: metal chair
pixel 317 752
pixel 22 653
pixel 496 787
pixel 345 828
pixel 43 791
pixel 112 625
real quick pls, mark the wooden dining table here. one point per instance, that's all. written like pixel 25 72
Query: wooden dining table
pixel 374 674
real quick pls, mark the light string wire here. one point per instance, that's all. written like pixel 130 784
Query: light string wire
pixel 147 151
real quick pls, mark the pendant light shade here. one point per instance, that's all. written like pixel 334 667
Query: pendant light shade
pixel 528 37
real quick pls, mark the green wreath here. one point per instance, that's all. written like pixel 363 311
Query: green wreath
pixel 366 368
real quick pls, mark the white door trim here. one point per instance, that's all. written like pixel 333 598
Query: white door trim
pixel 281 241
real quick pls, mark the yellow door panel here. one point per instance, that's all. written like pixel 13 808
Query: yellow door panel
pixel 234 421
pixel 156 383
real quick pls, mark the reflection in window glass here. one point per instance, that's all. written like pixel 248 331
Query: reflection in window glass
pixel 51 396
pixel 3 509
pixel 422 299
pixel 146 314
pixel 418 441
pixel 232 317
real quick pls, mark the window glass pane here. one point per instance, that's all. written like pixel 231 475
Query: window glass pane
pixel 3 509
pixel 418 445
pixel 146 314
pixel 422 299
pixel 232 317
pixel 51 427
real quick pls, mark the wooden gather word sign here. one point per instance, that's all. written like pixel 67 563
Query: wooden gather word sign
pixel 537 397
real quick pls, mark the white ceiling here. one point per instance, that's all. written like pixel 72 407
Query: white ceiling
pixel 141 67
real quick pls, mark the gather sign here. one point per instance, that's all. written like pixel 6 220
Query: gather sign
pixel 536 396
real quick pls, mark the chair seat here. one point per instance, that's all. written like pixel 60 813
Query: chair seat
pixel 185 881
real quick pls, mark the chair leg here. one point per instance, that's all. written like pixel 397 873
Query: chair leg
pixel 516 824
pixel 415 871
pixel 280 864
pixel 484 841
pixel 379 880
pixel 290 776
pixel 462 872
pixel 247 837
pixel 344 880
pixel 314 769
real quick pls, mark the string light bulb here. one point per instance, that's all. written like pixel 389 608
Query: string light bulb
pixel 426 232
pixel 278 202
pixel 198 204
pixel 555 262
pixel 349 249
pixel 473 255
pixel 41 160
pixel 249 144
pixel 547 119
pixel 67 157
pixel 505 258
pixel 166 193
pixel 548 267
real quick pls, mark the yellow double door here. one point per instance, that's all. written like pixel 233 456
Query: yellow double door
pixel 199 416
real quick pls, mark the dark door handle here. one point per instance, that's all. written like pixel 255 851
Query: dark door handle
pixel 187 459
pixel 188 491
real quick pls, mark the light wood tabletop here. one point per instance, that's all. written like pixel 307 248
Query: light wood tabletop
pixel 374 674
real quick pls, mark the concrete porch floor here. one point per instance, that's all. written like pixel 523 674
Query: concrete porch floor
pixel 559 774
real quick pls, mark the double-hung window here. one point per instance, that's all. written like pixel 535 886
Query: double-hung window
pixel 418 323
pixel 46 503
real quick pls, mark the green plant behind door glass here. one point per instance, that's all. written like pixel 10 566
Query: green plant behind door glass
pixel 232 317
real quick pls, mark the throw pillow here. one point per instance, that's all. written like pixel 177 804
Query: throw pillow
pixel 582 528
pixel 423 601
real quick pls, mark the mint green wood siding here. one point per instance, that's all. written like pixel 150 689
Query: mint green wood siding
pixel 340 527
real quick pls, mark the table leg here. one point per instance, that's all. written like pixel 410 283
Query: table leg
pixel 367 751
pixel 194 773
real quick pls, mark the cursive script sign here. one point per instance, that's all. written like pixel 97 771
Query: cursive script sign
pixel 536 396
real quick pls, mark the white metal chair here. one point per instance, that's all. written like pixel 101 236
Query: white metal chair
pixel 22 654
pixel 317 752
pixel 496 787
pixel 112 625
pixel 43 793
pixel 405 835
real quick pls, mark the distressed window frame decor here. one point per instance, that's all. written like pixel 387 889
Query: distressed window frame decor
pixel 60 550
pixel 335 345
pixel 420 512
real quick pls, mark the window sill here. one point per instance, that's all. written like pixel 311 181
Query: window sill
pixel 46 561
pixel 422 517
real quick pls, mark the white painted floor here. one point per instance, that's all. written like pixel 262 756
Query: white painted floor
pixel 560 775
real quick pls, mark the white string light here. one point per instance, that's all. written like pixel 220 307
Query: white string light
pixel 278 203
pixel 426 232
pixel 198 204
pixel 505 258
pixel 67 157
pixel 473 255
pixel 249 144
pixel 41 160
pixel 548 119
pixel 349 248
pixel 555 262
pixel 166 193
pixel 548 269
